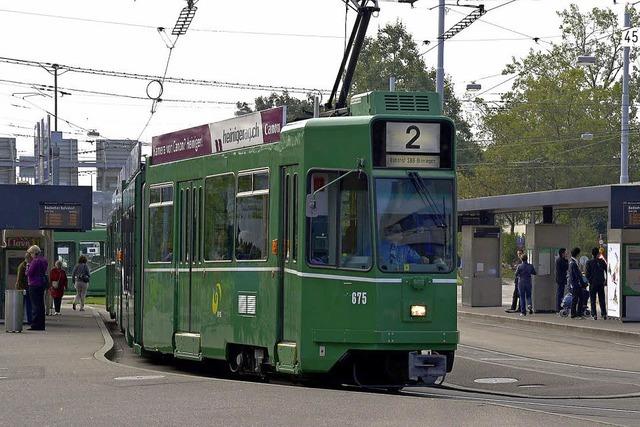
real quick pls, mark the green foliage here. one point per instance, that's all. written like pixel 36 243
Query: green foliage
pixel 394 53
pixel 535 128
pixel 586 227
pixel 508 256
pixel 296 108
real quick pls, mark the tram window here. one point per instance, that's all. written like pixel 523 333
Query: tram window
pixel 94 251
pixel 340 235
pixel 252 216
pixel 160 240
pixel 218 221
pixel 294 219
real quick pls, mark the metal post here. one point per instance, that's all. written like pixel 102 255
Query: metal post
pixel 392 84
pixel 624 136
pixel 440 68
pixel 316 107
pixel 55 96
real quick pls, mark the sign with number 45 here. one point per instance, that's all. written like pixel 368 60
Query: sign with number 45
pixel 631 37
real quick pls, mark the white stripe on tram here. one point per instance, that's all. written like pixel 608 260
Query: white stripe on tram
pixel 291 271
pixel 337 277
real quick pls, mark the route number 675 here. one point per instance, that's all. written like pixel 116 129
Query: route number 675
pixel 358 298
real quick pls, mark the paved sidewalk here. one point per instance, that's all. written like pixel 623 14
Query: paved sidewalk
pixel 610 327
pixel 60 377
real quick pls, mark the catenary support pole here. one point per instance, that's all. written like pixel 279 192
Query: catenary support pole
pixel 440 67
pixel 624 131
pixel 55 96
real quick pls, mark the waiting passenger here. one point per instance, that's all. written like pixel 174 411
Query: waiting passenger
pixel 23 285
pixel 577 283
pixel 523 276
pixel 395 255
pixel 562 265
pixel 596 274
pixel 80 277
pixel 58 285
pixel 37 278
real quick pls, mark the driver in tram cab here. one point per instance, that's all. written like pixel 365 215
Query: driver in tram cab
pixel 395 255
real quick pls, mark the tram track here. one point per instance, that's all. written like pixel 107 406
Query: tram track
pixel 591 411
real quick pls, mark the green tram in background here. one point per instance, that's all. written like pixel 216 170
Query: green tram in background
pixel 68 246
pixel 323 247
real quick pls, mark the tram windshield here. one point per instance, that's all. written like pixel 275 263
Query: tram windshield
pixel 414 218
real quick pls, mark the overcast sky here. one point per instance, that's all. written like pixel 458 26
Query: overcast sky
pixel 292 43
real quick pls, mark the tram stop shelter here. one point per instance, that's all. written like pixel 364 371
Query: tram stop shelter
pixel 481 244
pixel 29 215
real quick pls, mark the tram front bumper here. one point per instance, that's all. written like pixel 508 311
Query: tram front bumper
pixel 426 368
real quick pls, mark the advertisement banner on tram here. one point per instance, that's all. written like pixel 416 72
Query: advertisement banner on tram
pixel 262 127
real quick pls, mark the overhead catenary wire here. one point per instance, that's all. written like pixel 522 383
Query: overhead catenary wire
pixel 152 27
pixel 169 79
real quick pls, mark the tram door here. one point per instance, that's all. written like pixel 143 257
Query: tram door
pixel 188 253
pixel 288 237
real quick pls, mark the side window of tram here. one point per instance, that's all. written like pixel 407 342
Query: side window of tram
pixel 94 251
pixel 252 215
pixel 340 234
pixel 160 239
pixel 218 219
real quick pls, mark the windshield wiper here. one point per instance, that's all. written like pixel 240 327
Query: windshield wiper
pixel 427 198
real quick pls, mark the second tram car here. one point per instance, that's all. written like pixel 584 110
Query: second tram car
pixel 323 247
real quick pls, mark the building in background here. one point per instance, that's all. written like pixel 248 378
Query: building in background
pixel 56 161
pixel 8 160
pixel 111 155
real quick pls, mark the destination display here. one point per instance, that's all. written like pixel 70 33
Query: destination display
pixel 262 127
pixel 631 214
pixel 60 216
pixel 412 145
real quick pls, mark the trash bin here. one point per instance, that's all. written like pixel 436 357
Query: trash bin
pixel 13 309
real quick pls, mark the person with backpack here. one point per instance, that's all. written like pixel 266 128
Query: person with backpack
pixel 576 282
pixel 596 274
pixel 80 277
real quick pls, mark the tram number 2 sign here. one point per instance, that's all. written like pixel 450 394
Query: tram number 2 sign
pixel 413 145
pixel 358 298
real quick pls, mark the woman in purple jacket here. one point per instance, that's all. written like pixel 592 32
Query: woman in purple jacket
pixel 37 279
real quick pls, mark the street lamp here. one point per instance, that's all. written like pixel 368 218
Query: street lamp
pixel 473 87
pixel 586 60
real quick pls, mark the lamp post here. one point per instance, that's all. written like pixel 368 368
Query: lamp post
pixel 624 131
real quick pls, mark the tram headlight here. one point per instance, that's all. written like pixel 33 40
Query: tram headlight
pixel 418 311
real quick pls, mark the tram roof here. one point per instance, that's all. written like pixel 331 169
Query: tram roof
pixel 569 198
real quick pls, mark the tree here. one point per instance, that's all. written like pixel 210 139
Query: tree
pixel 535 128
pixel 394 53
pixel 296 108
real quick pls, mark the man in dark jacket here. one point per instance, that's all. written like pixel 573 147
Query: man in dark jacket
pixel 562 265
pixel 576 283
pixel 523 276
pixel 515 299
pixel 596 274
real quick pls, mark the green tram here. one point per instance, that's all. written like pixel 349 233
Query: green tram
pixel 323 247
pixel 69 245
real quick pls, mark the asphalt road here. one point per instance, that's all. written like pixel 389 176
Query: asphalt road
pixel 553 378
pixel 59 377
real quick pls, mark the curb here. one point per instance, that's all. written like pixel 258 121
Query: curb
pixel 101 354
pixel 550 325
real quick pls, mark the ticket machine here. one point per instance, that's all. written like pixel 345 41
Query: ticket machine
pixel 542 244
pixel 482 286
